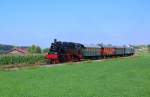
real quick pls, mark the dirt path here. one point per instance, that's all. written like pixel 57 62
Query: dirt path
pixel 52 65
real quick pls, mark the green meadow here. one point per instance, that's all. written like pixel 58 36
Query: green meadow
pixel 120 77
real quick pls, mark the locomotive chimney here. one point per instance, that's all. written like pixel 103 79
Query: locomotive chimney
pixel 55 40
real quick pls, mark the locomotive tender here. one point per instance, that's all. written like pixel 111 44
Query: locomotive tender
pixel 69 51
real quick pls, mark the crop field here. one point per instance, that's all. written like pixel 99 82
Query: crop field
pixel 21 59
pixel 121 77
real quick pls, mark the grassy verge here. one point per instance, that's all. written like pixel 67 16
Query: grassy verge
pixel 126 77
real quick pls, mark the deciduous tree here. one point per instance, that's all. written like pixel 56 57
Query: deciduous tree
pixel 148 46
pixel 34 49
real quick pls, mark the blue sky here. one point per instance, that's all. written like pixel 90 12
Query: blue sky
pixel 26 22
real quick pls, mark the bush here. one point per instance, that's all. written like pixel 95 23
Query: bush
pixel 19 59
pixel 148 46
pixel 34 49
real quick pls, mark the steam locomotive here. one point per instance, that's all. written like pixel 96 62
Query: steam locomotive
pixel 60 52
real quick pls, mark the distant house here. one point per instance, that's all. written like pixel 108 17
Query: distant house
pixel 17 51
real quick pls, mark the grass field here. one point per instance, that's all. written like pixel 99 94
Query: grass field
pixel 125 77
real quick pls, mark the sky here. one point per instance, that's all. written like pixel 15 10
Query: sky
pixel 117 22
